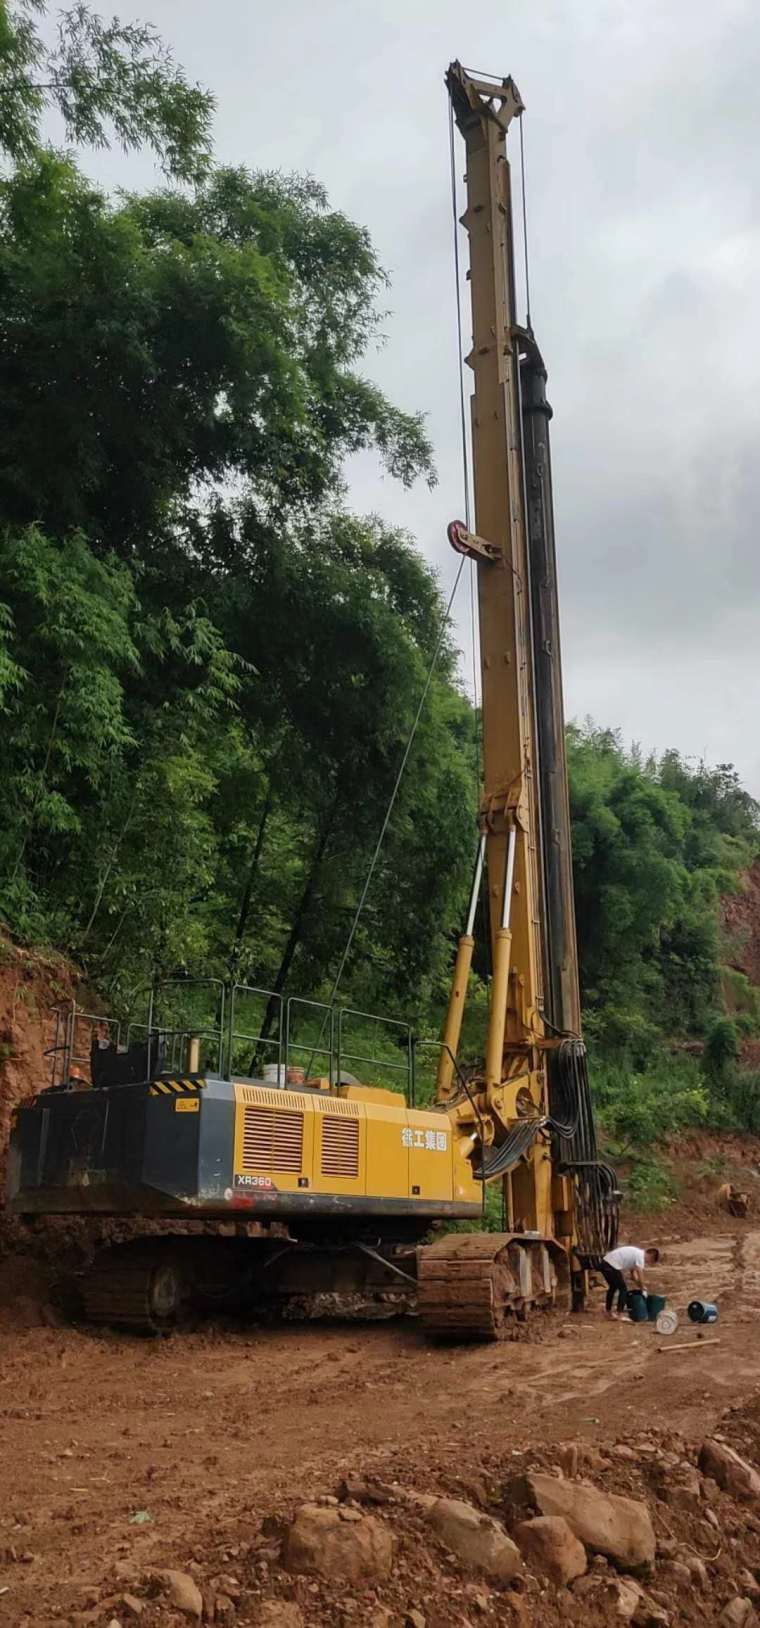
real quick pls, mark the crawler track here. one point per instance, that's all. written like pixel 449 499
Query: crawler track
pixel 473 1286
pixel 140 1290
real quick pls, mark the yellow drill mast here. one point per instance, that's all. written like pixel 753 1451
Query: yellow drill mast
pixel 529 1111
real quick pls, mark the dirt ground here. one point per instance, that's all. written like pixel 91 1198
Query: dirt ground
pixel 147 1453
pixel 119 1455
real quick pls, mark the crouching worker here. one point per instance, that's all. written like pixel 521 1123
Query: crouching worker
pixel 614 1267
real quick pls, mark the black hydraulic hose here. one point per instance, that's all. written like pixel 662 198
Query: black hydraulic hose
pixel 576 1151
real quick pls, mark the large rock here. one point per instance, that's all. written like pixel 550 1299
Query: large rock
pixel 625 1601
pixel 606 1524
pixel 731 1472
pixel 548 1545
pixel 623 1598
pixel 279 1614
pixel 476 1539
pixel 321 1541
pixel 131 1607
pixel 696 1568
pixel 364 1491
pixel 677 1572
pixel 650 1613
pixel 682 1489
pixel 182 1591
pixel 739 1613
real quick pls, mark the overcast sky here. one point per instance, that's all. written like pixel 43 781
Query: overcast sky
pixel 642 142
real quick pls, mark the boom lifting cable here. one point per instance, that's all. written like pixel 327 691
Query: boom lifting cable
pixel 396 787
pixel 474 617
pixel 458 287
pixel 444 621
pixel 521 122
pixel 462 400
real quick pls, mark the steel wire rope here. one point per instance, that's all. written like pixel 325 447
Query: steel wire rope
pixel 474 611
pixel 521 122
pixel 458 290
pixel 397 783
pixel 441 632
pixel 462 402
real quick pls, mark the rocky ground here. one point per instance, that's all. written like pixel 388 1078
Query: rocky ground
pixel 295 1475
pixel 351 1475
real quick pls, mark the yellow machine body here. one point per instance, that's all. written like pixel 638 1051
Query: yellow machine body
pixel 354 1146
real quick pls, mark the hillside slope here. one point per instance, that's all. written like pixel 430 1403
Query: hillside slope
pixel 32 985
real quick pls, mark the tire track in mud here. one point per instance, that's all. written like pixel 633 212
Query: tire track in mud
pixel 723 1268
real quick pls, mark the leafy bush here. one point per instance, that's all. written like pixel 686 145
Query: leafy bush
pixel 721 1047
pixel 744 1098
pixel 735 1103
pixel 741 999
pixel 636 1109
pixel 650 1186
pixel 655 844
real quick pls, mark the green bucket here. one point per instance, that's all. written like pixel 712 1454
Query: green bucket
pixel 655 1303
pixel 637 1306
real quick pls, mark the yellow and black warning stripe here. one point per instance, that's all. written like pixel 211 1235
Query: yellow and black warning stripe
pixel 174 1085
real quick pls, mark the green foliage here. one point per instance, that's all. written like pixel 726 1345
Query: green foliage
pixel 721 1046
pixel 638 1108
pixel 712 1168
pixel 741 1100
pixel 65 647
pixel 104 79
pixel 180 388
pixel 159 353
pixel 649 1186
pixel 655 843
pixel 741 999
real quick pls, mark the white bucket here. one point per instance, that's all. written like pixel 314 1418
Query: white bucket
pixel 274 1074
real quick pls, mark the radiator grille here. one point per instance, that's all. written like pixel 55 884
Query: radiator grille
pixel 340 1147
pixel 327 1104
pixel 272 1140
pixel 274 1098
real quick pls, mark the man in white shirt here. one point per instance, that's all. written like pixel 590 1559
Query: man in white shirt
pixel 619 1261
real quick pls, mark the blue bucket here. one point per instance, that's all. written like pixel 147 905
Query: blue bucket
pixel 637 1306
pixel 702 1311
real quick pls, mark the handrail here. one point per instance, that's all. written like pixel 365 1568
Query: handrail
pixel 357 1057
pixel 313 1050
pixel 179 1027
pixel 187 984
pixel 258 1040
